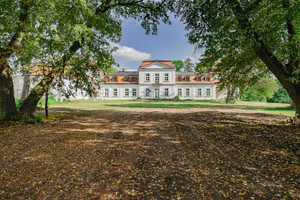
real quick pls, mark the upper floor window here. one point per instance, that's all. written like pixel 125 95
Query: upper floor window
pixel 106 79
pixel 208 92
pixel 115 92
pixel 179 92
pixel 207 78
pixel 166 92
pixel 106 92
pixel 147 77
pixel 156 78
pixel 127 92
pixel 187 79
pixel 167 77
pixel 134 92
pixel 179 79
pixel 127 79
pixel 115 79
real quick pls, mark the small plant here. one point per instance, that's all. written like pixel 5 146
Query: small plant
pixel 176 98
pixel 39 118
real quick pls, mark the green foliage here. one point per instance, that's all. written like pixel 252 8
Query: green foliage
pixel 280 96
pixel 264 89
pixel 245 40
pixel 188 65
pixel 37 119
pixel 52 101
pixel 178 64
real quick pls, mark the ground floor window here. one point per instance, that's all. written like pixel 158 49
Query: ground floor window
pixel 127 92
pixel 187 92
pixel 134 92
pixel 147 92
pixel 179 92
pixel 115 92
pixel 106 92
pixel 199 92
pixel 166 92
pixel 208 92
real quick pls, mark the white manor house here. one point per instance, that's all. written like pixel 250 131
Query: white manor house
pixel 159 79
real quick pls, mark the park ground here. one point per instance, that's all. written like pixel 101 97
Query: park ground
pixel 152 150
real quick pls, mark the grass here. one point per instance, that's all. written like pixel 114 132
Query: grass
pixel 273 108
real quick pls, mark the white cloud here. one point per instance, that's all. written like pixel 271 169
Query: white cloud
pixel 129 54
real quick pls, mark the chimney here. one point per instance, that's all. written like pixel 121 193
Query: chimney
pixel 189 69
pixel 123 70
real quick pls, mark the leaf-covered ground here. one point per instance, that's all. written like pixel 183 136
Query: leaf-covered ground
pixel 152 154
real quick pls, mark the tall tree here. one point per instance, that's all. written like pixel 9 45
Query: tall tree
pixel 13 31
pixel 178 64
pixel 188 65
pixel 248 36
pixel 93 30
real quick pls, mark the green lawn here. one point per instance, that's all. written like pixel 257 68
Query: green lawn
pixel 274 108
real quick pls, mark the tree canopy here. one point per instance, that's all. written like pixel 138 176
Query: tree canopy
pixel 246 39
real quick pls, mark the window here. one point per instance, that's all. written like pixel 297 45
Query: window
pixel 133 79
pixel 127 92
pixel 115 93
pixel 147 92
pixel 115 79
pixel 156 78
pixel 134 92
pixel 167 77
pixel 179 92
pixel 166 92
pixel 147 77
pixel 187 92
pixel 106 79
pixel 199 92
pixel 207 92
pixel 126 79
pixel 187 79
pixel 106 92
pixel 198 78
pixel 207 78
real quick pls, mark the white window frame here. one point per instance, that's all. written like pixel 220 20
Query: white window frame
pixel 125 90
pixel 147 92
pixel 208 92
pixel 147 77
pixel 115 92
pixel 187 92
pixel 179 93
pixel 106 92
pixel 199 92
pixel 134 92
pixel 166 77
pixel 166 92
pixel 156 77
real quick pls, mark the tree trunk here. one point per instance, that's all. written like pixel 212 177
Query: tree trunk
pixel 29 105
pixel 292 105
pixel 26 87
pixel 7 100
pixel 46 103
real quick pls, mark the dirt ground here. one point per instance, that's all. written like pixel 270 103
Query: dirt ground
pixel 171 153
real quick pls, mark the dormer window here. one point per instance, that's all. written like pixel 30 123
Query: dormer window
pixel 133 79
pixel 179 79
pixel 115 79
pixel 106 79
pixel 198 78
pixel 207 79
pixel 126 79
pixel 187 79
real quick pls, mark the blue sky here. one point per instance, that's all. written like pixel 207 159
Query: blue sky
pixel 170 43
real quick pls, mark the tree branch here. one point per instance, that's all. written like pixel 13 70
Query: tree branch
pixel 5 52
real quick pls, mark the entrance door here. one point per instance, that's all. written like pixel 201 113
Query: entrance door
pixel 156 93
